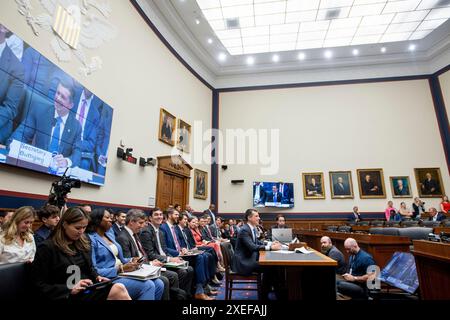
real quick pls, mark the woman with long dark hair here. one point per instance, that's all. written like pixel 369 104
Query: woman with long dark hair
pixel 62 268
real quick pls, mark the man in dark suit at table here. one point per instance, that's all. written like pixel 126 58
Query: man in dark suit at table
pixel 53 127
pixel 11 87
pixel 246 254
pixel 354 284
pixel 340 188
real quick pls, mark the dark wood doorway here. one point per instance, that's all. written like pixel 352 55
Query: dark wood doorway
pixel 172 185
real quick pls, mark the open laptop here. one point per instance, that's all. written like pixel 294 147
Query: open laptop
pixel 282 235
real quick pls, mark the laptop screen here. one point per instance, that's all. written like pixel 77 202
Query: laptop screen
pixel 282 235
pixel 400 272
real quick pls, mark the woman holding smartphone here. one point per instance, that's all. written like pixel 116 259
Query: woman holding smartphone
pixel 62 267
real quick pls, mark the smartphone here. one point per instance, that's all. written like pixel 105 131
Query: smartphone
pixel 98 285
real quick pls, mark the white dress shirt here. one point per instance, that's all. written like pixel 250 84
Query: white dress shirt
pixel 12 253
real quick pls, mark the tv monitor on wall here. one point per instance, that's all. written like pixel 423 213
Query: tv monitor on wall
pixel 48 121
pixel 273 194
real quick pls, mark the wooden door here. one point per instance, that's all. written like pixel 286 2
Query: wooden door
pixel 172 182
pixel 178 196
pixel 164 192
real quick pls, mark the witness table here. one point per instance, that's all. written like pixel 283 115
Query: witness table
pixel 305 276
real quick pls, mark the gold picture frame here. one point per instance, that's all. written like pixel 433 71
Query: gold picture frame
pixel 401 190
pixel 167 127
pixel 183 136
pixel 200 184
pixel 425 188
pixel 341 189
pixel 371 187
pixel 313 189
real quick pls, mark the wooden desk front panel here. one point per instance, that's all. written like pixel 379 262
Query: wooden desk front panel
pixel 433 269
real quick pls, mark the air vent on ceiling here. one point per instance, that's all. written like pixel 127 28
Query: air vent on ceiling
pixel 442 3
pixel 333 14
pixel 232 23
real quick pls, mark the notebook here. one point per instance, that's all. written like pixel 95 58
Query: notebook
pixel 145 272
pixel 177 265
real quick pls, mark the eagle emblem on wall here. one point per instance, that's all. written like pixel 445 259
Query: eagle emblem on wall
pixel 76 25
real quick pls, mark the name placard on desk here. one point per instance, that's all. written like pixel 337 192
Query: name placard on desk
pixel 25 152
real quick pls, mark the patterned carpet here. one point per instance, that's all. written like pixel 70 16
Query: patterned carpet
pixel 238 295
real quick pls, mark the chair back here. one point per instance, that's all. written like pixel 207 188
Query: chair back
pixel 431 224
pixel 409 223
pixel 362 223
pixel 344 229
pixel 415 233
pixel 332 228
pixel 377 223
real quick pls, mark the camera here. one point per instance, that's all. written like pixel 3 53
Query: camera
pixel 60 189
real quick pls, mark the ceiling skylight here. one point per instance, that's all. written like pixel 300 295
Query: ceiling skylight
pixel 257 26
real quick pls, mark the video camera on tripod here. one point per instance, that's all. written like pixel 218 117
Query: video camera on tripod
pixel 61 188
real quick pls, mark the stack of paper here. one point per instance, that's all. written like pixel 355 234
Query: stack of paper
pixel 177 265
pixel 145 272
pixel 303 250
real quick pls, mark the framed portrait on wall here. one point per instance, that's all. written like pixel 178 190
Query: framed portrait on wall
pixel 401 187
pixel 167 124
pixel 341 185
pixel 200 184
pixel 429 182
pixel 313 186
pixel 371 183
pixel 183 136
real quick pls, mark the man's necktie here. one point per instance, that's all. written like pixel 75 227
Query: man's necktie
pixel 54 142
pixel 82 111
pixel 254 235
pixel 158 240
pixel 274 197
pixel 175 239
pixel 139 245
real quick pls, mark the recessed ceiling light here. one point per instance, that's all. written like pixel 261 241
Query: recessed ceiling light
pixel 301 56
pixel 412 47
pixel 328 54
pixel 383 49
pixel 250 61
pixel 197 21
pixel 275 58
pixel 210 40
pixel 222 56
pixel 355 52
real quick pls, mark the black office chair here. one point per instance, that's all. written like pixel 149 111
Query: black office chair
pixel 392 224
pixel 445 223
pixel 415 233
pixel 409 223
pixel 344 229
pixel 377 223
pixel 362 223
pixel 332 228
pixel 15 282
pixel 430 224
